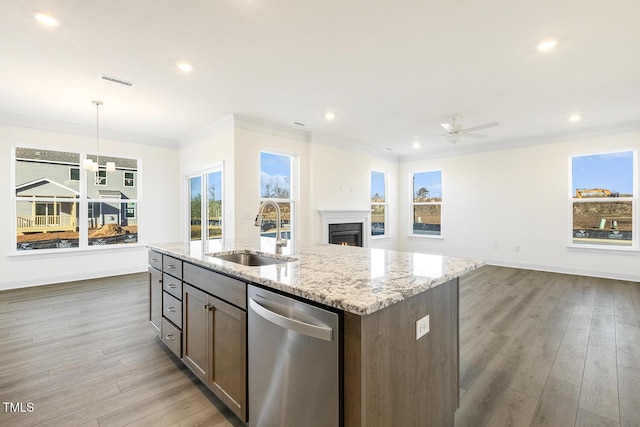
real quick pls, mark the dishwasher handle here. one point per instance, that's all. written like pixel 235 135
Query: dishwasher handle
pixel 320 332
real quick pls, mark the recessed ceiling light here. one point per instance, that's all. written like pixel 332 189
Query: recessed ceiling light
pixel 46 18
pixel 416 144
pixel 547 45
pixel 184 66
pixel 575 118
pixel 329 116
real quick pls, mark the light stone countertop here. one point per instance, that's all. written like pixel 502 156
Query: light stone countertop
pixel 356 280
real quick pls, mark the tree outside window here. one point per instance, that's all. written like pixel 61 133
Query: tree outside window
pixel 427 203
pixel 276 171
pixel 378 204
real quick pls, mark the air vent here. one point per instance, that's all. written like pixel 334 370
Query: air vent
pixel 116 80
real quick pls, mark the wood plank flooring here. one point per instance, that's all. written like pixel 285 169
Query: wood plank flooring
pixel 537 349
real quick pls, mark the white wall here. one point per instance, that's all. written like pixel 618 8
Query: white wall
pixel 516 199
pixel 158 212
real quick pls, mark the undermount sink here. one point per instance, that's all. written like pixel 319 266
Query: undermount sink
pixel 251 259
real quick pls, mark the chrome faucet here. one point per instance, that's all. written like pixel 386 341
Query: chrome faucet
pixel 279 242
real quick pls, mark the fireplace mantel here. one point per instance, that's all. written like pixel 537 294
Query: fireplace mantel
pixel 346 216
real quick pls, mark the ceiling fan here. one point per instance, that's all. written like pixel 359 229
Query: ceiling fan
pixel 456 132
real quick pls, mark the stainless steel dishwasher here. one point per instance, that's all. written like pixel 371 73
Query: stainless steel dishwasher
pixel 294 377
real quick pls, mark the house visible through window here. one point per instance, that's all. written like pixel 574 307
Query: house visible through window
pixel 427 203
pixel 602 200
pixel 276 172
pixel 378 204
pixel 54 211
pixel 205 208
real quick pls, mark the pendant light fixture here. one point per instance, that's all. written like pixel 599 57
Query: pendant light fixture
pixel 89 164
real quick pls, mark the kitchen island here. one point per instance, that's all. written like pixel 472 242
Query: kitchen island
pixel 399 320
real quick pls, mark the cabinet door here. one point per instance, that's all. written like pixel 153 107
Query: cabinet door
pixel 155 299
pixel 195 331
pixel 228 378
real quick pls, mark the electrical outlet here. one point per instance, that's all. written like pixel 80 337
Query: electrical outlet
pixel 422 327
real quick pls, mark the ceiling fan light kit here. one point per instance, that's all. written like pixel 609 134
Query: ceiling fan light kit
pixel 455 132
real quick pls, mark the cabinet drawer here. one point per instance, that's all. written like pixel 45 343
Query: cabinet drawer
pixel 172 265
pixel 221 286
pixel 172 337
pixel 172 285
pixel 172 309
pixel 155 260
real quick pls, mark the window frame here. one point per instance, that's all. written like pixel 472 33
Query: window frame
pixel 293 189
pixel 413 204
pixel 81 200
pixel 385 204
pixel 132 179
pixel 634 246
pixel 204 244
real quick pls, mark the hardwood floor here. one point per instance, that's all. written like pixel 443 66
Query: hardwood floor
pixel 545 349
pixel 84 354
pixel 537 349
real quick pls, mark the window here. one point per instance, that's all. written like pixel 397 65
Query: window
pixel 205 208
pixel 129 179
pixel 602 200
pixel 427 203
pixel 378 204
pixel 74 174
pixel 276 172
pixel 53 210
pixel 101 178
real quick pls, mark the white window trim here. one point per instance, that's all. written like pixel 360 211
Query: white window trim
pixel 204 241
pixel 83 207
pixel 634 247
pixel 293 187
pixel 412 204
pixel 386 205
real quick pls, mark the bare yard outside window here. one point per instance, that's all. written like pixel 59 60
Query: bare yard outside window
pixel 602 199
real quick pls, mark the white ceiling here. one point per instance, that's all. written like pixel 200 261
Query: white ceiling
pixel 389 70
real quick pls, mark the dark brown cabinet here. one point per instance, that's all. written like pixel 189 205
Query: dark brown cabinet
pixel 214 343
pixel 155 300
pixel 165 295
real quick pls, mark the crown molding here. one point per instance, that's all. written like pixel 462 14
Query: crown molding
pixel 275 129
pixel 77 129
pixel 215 128
pixel 336 141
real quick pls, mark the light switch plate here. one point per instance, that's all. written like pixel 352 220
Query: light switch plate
pixel 422 327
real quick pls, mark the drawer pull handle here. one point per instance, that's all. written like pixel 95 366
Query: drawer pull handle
pixel 170 337
pixel 171 285
pixel 206 307
pixel 159 280
pixel 154 259
pixel 171 266
pixel 171 309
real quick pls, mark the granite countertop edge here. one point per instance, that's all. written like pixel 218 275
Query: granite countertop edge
pixel 356 295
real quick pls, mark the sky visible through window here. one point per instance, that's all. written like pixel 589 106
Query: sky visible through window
pixel 610 171
pixel 377 185
pixel 275 168
pixel 432 181
pixel 214 181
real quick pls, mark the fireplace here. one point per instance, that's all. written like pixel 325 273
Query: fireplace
pixel 353 226
pixel 347 234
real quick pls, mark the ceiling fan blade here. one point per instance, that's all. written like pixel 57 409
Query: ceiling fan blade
pixel 473 135
pixel 484 126
pixel 446 126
